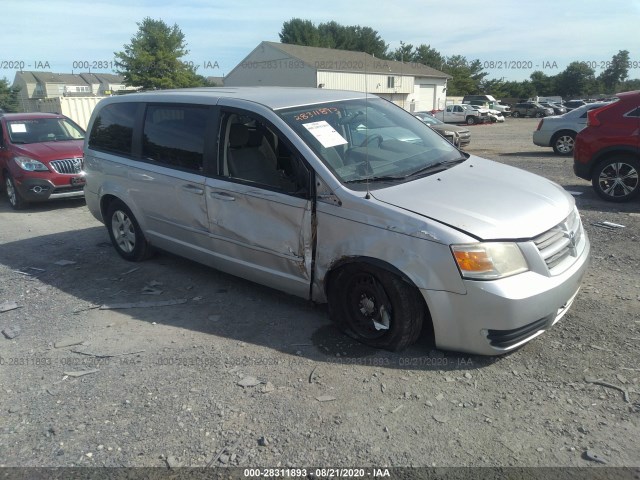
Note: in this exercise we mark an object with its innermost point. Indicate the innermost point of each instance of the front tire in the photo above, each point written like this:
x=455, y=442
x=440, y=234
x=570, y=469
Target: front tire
x=563, y=143
x=616, y=178
x=515, y=114
x=15, y=199
x=125, y=233
x=471, y=120
x=375, y=307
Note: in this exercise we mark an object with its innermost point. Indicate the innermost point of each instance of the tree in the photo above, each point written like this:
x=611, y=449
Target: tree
x=333, y=35
x=8, y=97
x=467, y=76
x=616, y=72
x=577, y=80
x=424, y=54
x=152, y=59
x=543, y=84
x=300, y=32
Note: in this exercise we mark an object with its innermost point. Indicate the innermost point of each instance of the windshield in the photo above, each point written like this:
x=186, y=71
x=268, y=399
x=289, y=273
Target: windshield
x=371, y=140
x=37, y=130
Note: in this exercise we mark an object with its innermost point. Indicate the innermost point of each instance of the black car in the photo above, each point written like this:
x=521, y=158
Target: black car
x=571, y=104
x=530, y=109
x=557, y=108
x=458, y=135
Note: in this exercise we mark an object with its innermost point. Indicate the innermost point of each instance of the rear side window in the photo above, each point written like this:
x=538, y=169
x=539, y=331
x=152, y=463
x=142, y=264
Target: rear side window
x=113, y=128
x=174, y=135
x=634, y=113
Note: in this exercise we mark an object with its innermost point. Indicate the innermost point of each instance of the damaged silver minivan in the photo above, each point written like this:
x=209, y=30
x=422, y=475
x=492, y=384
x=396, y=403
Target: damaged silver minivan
x=339, y=197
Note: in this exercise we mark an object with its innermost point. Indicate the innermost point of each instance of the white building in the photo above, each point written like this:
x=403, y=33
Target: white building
x=413, y=86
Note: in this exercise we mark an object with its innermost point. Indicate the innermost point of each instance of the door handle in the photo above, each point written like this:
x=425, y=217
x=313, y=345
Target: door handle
x=193, y=189
x=222, y=196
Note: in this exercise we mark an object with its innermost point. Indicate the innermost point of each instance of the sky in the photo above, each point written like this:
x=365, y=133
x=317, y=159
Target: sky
x=511, y=38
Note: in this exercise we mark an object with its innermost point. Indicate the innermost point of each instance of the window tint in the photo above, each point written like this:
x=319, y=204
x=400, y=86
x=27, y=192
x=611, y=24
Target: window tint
x=113, y=128
x=634, y=113
x=174, y=135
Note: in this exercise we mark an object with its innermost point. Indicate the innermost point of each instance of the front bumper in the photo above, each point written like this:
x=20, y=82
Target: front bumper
x=495, y=317
x=43, y=189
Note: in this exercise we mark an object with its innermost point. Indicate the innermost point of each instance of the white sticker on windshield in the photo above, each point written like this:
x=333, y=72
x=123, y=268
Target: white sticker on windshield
x=325, y=134
x=18, y=128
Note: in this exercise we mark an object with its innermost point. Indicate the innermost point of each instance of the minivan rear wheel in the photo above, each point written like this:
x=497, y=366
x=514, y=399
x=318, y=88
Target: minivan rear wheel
x=125, y=233
x=616, y=178
x=375, y=307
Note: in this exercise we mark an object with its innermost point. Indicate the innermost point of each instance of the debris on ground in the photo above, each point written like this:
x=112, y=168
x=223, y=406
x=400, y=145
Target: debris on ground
x=7, y=305
x=81, y=373
x=64, y=263
x=11, y=332
x=594, y=457
x=67, y=342
x=162, y=303
x=249, y=381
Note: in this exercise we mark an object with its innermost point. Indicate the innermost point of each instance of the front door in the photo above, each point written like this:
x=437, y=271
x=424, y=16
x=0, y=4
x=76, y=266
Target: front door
x=259, y=205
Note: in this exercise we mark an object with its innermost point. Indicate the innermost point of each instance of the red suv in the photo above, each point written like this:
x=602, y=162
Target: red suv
x=40, y=157
x=607, y=151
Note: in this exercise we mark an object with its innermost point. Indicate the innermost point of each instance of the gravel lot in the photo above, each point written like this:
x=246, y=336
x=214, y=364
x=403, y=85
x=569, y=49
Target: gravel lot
x=165, y=384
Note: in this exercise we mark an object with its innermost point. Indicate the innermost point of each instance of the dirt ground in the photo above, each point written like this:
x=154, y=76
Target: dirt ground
x=236, y=374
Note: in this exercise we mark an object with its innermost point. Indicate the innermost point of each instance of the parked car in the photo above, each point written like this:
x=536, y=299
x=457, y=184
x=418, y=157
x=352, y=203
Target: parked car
x=556, y=107
x=40, y=157
x=292, y=189
x=461, y=113
x=559, y=132
x=505, y=110
x=530, y=109
x=494, y=115
x=459, y=136
x=607, y=151
x=573, y=104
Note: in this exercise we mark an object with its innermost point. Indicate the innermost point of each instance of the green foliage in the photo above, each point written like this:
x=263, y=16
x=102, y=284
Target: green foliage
x=616, y=72
x=333, y=35
x=152, y=59
x=8, y=97
x=467, y=76
x=577, y=80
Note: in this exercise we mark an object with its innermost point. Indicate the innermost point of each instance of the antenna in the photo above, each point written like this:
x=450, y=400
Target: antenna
x=366, y=122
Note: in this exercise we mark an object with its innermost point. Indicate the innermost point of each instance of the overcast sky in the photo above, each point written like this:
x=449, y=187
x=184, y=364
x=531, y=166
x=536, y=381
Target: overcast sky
x=515, y=37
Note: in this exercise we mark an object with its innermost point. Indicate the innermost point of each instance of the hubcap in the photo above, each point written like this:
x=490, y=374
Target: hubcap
x=368, y=305
x=618, y=179
x=564, y=144
x=11, y=191
x=123, y=231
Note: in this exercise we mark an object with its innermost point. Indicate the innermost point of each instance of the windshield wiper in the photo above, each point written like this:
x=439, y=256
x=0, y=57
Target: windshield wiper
x=437, y=167
x=381, y=178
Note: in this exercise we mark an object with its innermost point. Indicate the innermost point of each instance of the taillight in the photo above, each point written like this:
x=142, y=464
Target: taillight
x=540, y=125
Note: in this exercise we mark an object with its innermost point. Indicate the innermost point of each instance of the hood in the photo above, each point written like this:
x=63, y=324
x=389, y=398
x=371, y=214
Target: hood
x=47, y=151
x=485, y=199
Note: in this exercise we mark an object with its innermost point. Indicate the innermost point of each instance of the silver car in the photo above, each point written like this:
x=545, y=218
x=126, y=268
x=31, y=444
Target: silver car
x=310, y=192
x=559, y=132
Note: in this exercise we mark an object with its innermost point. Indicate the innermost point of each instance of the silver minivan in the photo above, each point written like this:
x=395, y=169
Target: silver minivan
x=339, y=197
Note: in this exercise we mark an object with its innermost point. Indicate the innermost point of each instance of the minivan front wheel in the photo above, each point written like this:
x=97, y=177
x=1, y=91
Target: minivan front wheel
x=375, y=307
x=125, y=233
x=616, y=178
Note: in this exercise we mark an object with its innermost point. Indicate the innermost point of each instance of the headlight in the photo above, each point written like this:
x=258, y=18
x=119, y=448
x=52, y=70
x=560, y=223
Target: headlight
x=30, y=165
x=449, y=133
x=488, y=261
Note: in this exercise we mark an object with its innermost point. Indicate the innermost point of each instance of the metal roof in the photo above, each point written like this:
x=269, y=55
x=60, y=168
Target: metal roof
x=272, y=97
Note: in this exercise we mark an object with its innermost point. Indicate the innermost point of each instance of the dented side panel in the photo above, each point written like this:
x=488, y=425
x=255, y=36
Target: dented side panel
x=260, y=234
x=417, y=248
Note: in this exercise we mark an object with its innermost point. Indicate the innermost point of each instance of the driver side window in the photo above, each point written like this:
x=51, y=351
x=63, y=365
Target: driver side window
x=252, y=152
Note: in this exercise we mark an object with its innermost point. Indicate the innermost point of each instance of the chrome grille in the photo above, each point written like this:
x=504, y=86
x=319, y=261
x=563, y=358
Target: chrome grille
x=560, y=242
x=69, y=166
